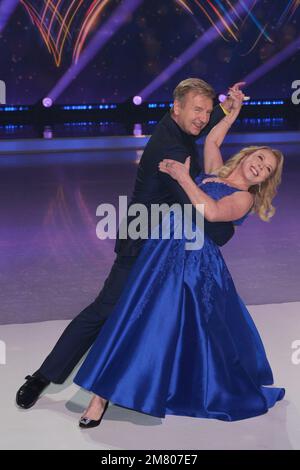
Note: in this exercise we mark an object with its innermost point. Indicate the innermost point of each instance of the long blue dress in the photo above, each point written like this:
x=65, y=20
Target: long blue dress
x=180, y=340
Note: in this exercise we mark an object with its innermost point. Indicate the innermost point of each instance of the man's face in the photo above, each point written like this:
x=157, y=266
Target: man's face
x=193, y=113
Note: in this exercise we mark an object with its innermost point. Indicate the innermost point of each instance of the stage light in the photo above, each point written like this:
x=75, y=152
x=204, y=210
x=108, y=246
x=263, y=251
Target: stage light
x=222, y=98
x=137, y=130
x=7, y=8
x=137, y=100
x=272, y=63
x=47, y=133
x=87, y=107
x=14, y=108
x=205, y=40
x=101, y=37
x=47, y=102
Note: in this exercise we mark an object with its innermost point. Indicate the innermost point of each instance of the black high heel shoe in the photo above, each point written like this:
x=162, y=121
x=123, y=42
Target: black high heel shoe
x=92, y=423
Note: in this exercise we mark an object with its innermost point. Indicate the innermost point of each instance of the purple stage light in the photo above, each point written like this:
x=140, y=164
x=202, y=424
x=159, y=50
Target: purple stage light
x=207, y=38
x=273, y=62
x=7, y=7
x=137, y=100
x=47, y=102
x=222, y=98
x=112, y=25
x=47, y=133
x=137, y=130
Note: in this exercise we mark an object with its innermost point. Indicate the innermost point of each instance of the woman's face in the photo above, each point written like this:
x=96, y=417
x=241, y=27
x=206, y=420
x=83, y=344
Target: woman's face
x=258, y=166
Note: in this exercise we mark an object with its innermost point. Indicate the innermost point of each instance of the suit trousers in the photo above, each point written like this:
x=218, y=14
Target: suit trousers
x=81, y=333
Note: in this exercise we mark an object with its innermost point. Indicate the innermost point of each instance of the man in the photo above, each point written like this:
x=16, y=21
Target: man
x=175, y=137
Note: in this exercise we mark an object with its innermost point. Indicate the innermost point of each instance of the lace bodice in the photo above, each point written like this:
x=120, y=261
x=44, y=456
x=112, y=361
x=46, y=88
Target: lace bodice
x=217, y=190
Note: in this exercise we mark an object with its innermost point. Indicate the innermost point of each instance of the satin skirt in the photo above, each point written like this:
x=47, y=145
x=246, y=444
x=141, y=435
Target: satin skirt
x=180, y=341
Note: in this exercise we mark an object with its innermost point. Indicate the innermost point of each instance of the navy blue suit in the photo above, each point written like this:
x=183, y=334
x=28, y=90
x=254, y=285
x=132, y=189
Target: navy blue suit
x=151, y=187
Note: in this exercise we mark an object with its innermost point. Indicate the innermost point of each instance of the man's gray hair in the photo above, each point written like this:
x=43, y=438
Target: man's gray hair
x=200, y=87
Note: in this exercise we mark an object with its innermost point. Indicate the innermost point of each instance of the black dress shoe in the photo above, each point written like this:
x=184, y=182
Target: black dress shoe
x=30, y=391
x=92, y=423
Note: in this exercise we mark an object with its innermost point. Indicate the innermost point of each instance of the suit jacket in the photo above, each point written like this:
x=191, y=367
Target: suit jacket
x=155, y=187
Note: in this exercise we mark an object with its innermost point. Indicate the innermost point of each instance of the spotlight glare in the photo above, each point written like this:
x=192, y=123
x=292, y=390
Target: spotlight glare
x=47, y=102
x=137, y=130
x=137, y=100
x=222, y=98
x=47, y=133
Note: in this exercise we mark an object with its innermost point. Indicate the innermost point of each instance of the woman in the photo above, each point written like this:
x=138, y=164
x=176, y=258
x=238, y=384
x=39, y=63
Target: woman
x=180, y=340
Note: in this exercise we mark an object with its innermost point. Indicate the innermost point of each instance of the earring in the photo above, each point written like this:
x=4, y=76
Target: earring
x=259, y=187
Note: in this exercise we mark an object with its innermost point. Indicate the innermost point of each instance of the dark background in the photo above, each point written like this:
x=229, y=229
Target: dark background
x=155, y=35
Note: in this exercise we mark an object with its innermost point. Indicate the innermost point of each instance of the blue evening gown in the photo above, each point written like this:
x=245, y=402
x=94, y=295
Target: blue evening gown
x=180, y=340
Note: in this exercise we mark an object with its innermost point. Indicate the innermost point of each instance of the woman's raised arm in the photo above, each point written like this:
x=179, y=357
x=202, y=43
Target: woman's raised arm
x=212, y=155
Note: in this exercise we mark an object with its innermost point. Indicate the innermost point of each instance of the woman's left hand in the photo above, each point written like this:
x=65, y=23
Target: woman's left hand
x=178, y=171
x=237, y=97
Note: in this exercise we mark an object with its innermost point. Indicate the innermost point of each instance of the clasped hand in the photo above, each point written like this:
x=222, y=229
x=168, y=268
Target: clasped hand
x=178, y=171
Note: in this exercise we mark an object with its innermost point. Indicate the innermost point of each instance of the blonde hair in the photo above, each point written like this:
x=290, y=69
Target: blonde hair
x=266, y=191
x=193, y=84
